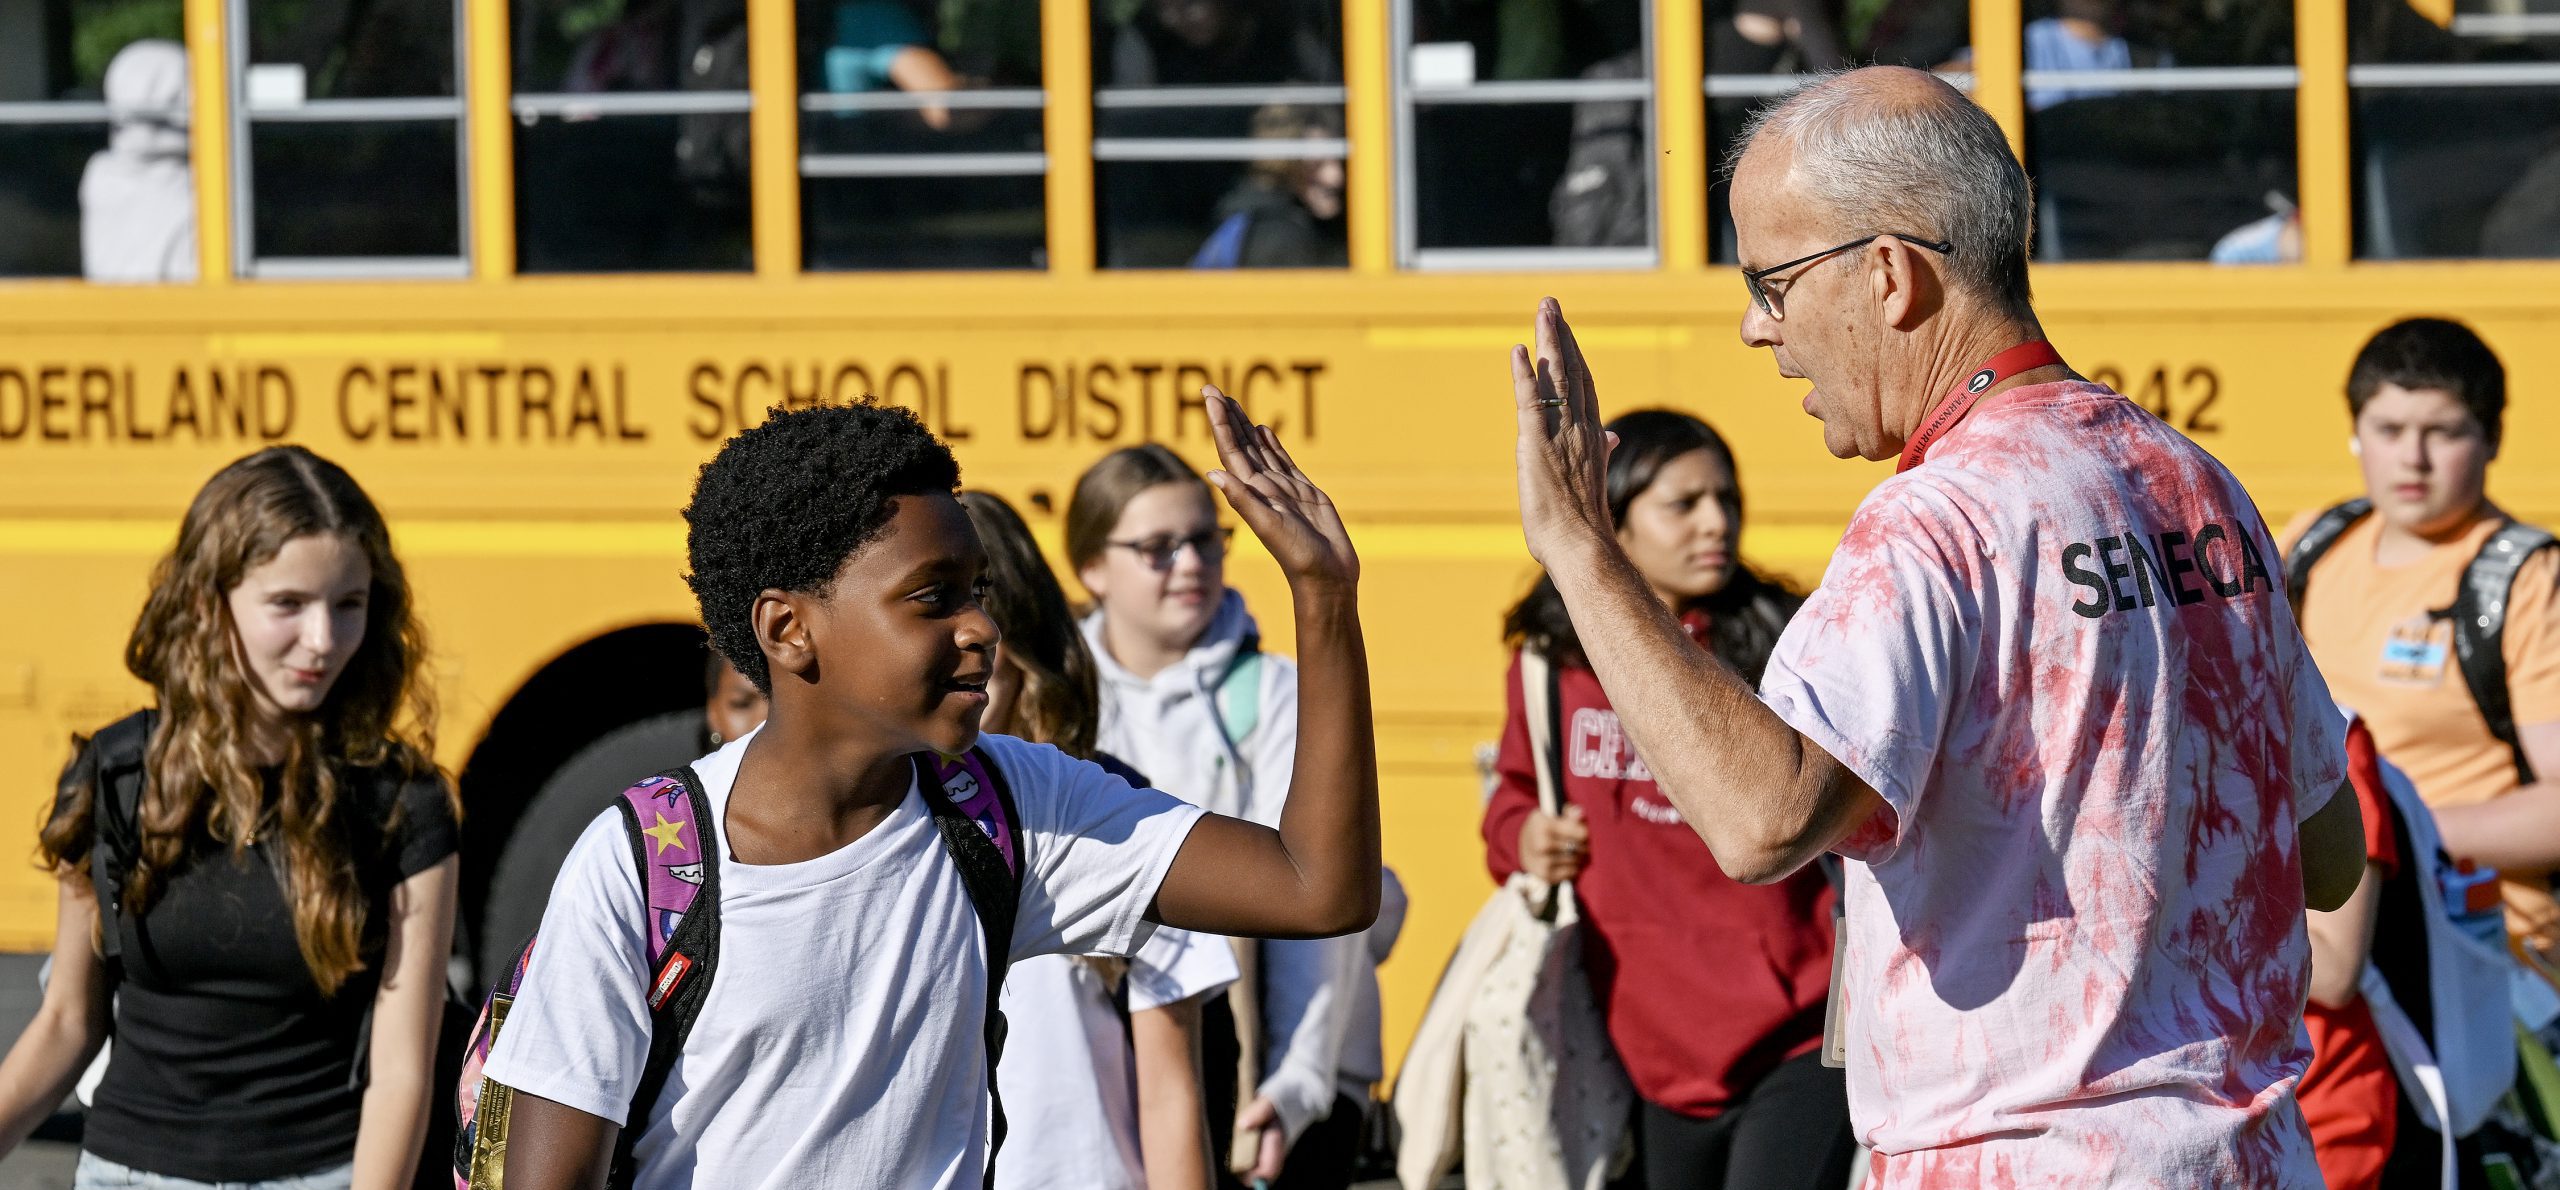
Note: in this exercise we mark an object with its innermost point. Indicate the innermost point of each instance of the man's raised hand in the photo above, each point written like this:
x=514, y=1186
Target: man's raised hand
x=1296, y=521
x=1563, y=454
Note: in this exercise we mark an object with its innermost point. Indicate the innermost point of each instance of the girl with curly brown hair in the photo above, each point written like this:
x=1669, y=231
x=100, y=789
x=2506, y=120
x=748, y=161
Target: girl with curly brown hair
x=257, y=873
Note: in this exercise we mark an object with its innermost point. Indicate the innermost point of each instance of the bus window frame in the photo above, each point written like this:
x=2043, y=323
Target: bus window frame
x=245, y=261
x=1406, y=98
x=1378, y=118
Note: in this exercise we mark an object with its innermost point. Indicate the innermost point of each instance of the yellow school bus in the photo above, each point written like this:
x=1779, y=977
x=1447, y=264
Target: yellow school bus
x=521, y=267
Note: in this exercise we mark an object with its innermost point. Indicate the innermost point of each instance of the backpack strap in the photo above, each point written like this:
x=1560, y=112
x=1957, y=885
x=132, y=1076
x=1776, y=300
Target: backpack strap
x=1224, y=249
x=1239, y=698
x=2314, y=544
x=115, y=769
x=675, y=844
x=2479, y=615
x=1541, y=694
x=979, y=822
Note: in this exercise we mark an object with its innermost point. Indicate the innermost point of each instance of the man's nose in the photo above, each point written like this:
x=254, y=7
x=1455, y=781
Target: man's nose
x=1758, y=329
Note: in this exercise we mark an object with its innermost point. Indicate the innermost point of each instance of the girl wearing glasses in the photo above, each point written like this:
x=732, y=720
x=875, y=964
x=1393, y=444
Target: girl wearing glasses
x=1713, y=990
x=1190, y=699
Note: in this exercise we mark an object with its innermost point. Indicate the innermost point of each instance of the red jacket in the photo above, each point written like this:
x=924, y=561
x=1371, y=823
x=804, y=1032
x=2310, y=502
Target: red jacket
x=1707, y=983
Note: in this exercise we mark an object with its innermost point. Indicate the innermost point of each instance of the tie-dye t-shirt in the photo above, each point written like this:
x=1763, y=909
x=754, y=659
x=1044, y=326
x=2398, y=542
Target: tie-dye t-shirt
x=2060, y=651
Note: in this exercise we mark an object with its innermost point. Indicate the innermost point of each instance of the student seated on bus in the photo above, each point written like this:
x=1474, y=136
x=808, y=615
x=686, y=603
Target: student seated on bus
x=257, y=874
x=842, y=1038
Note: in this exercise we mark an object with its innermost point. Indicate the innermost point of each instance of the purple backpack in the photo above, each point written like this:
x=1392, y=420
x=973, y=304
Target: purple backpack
x=672, y=831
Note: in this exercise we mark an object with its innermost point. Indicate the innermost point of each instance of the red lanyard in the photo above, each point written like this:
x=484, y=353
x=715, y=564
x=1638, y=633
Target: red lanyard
x=2025, y=357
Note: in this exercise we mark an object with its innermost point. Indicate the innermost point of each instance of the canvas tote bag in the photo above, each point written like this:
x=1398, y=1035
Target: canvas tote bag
x=1513, y=1039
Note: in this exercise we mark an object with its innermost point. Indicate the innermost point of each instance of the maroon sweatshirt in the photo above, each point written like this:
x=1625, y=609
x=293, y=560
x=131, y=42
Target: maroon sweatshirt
x=1707, y=983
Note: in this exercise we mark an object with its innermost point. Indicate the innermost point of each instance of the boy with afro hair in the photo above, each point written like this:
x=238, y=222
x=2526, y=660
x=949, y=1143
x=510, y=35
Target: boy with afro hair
x=842, y=1040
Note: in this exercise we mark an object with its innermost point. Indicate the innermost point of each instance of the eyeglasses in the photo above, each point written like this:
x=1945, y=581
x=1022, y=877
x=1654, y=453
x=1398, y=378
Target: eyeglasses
x=1159, y=552
x=1751, y=278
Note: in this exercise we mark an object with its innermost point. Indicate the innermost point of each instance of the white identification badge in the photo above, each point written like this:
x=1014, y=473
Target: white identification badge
x=1835, y=1033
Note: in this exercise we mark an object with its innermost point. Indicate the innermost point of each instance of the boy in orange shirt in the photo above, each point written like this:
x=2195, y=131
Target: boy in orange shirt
x=2395, y=591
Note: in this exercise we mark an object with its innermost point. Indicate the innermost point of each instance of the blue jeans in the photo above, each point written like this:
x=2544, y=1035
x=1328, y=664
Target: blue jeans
x=98, y=1173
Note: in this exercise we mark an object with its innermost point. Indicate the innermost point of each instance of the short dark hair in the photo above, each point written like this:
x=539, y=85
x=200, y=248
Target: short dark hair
x=2433, y=353
x=784, y=504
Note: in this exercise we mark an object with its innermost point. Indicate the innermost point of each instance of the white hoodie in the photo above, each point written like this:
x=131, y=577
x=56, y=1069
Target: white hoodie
x=1168, y=727
x=137, y=196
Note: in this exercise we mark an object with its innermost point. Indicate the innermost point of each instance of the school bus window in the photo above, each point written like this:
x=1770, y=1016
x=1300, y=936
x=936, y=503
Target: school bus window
x=921, y=136
x=348, y=119
x=1759, y=49
x=94, y=175
x=1527, y=134
x=2453, y=106
x=2154, y=135
x=632, y=135
x=1218, y=134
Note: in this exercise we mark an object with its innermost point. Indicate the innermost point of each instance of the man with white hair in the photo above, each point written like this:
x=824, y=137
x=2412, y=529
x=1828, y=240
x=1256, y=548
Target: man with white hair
x=2049, y=700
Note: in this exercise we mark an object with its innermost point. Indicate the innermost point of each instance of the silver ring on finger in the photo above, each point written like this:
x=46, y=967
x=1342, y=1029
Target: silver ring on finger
x=1551, y=402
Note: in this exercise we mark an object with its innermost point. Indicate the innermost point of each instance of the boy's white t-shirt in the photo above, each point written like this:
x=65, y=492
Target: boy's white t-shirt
x=842, y=1042
x=1069, y=1080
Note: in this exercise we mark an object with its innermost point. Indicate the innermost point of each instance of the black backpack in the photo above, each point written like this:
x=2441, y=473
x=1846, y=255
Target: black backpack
x=2478, y=610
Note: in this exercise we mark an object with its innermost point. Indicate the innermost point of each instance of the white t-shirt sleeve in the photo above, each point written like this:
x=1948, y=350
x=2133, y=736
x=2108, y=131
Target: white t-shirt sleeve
x=1868, y=670
x=1178, y=965
x=1098, y=850
x=578, y=1031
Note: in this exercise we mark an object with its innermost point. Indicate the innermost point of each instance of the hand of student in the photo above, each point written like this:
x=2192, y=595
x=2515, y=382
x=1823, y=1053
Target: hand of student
x=1296, y=521
x=1555, y=849
x=1260, y=1114
x=1563, y=454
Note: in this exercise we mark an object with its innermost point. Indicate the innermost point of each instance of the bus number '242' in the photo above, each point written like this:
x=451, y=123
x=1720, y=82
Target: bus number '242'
x=2185, y=402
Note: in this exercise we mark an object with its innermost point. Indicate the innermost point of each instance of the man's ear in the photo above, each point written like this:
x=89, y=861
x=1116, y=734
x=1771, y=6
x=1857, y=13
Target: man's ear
x=782, y=627
x=1904, y=285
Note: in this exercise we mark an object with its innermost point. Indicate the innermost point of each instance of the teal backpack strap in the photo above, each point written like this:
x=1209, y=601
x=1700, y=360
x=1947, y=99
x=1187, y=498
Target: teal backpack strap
x=1240, y=692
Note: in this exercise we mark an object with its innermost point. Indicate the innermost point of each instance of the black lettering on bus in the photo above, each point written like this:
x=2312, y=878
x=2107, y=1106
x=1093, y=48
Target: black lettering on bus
x=861, y=386
x=2075, y=557
x=1187, y=401
x=1146, y=374
x=182, y=404
x=346, y=407
x=97, y=389
x=701, y=384
x=950, y=429
x=449, y=404
x=227, y=400
x=11, y=428
x=623, y=427
x=1102, y=394
x=2205, y=537
x=794, y=397
x=51, y=400
x=1249, y=393
x=133, y=427
x=2179, y=567
x=1024, y=383
x=493, y=389
x=2197, y=422
x=1307, y=371
x=400, y=401
x=535, y=386
x=275, y=382
x=751, y=413
x=586, y=405
x=13, y=380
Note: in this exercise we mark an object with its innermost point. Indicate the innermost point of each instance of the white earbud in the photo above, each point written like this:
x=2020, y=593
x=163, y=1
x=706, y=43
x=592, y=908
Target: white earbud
x=2355, y=445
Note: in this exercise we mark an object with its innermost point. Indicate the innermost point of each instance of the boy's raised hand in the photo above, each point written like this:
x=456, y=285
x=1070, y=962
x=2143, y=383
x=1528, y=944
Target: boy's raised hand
x=1296, y=521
